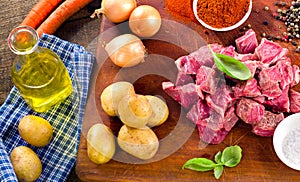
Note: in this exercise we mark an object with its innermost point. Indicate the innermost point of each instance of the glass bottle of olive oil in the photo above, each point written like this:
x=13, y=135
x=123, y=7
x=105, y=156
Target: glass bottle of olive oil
x=37, y=72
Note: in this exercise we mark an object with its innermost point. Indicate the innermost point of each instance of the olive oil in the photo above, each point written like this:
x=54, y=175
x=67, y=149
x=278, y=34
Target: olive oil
x=39, y=74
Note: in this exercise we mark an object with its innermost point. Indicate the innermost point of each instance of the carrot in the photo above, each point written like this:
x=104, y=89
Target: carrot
x=60, y=15
x=40, y=11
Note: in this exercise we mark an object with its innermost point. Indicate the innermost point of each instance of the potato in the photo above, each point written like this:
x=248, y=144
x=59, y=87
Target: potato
x=141, y=143
x=134, y=110
x=26, y=163
x=35, y=130
x=160, y=111
x=112, y=94
x=100, y=144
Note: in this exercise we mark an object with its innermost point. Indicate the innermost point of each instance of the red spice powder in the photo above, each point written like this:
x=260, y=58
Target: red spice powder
x=222, y=13
x=181, y=9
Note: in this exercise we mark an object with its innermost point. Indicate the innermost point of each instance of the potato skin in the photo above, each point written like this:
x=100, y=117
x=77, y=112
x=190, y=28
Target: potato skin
x=160, y=111
x=100, y=144
x=26, y=163
x=112, y=94
x=35, y=130
x=134, y=110
x=139, y=142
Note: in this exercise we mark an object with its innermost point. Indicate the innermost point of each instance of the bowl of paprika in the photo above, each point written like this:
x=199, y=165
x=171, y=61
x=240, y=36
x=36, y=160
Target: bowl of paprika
x=222, y=15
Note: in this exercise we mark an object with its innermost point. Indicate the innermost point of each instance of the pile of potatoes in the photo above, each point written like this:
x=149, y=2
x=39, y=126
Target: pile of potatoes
x=38, y=132
x=138, y=113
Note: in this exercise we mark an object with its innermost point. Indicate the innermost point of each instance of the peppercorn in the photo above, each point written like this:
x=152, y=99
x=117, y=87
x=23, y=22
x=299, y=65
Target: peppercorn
x=294, y=43
x=266, y=23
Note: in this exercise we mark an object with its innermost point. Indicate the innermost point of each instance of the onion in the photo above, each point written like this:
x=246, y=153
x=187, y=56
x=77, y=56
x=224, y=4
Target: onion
x=116, y=10
x=126, y=50
x=145, y=21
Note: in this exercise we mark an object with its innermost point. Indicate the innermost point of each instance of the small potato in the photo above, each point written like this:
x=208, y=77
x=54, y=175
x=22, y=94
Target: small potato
x=35, y=130
x=112, y=94
x=160, y=111
x=134, y=110
x=26, y=163
x=101, y=144
x=141, y=143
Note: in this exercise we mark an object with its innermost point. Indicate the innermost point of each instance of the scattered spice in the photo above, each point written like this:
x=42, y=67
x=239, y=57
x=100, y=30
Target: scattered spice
x=291, y=146
x=266, y=23
x=222, y=13
x=181, y=9
x=290, y=15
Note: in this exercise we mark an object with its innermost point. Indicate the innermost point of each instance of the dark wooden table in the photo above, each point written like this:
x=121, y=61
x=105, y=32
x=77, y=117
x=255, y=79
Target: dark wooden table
x=78, y=29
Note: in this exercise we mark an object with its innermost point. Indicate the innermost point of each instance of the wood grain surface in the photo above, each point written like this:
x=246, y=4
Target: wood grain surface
x=179, y=140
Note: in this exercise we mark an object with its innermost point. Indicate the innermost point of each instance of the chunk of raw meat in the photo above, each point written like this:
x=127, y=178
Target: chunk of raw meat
x=269, y=79
x=286, y=71
x=229, y=51
x=221, y=100
x=270, y=52
x=183, y=79
x=247, y=43
x=266, y=126
x=246, y=57
x=199, y=111
x=209, y=79
x=203, y=54
x=186, y=95
x=187, y=65
x=247, y=88
x=296, y=75
x=253, y=66
x=294, y=101
x=281, y=103
x=250, y=111
x=214, y=129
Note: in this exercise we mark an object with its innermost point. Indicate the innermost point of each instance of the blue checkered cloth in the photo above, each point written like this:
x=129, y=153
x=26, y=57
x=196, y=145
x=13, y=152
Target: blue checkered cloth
x=58, y=157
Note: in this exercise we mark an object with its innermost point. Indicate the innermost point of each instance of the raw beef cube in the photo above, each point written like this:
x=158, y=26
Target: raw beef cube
x=183, y=79
x=186, y=95
x=230, y=119
x=203, y=54
x=286, y=72
x=221, y=99
x=247, y=43
x=269, y=52
x=250, y=111
x=229, y=51
x=294, y=101
x=247, y=88
x=266, y=126
x=209, y=79
x=214, y=129
x=259, y=99
x=269, y=79
x=253, y=65
x=199, y=111
x=187, y=64
x=246, y=57
x=296, y=75
x=281, y=103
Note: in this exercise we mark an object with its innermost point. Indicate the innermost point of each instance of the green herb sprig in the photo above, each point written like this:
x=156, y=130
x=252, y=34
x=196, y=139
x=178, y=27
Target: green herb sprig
x=230, y=157
x=231, y=66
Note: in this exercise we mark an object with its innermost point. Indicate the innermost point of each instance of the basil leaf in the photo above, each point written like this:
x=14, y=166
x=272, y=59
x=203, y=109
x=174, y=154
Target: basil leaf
x=231, y=156
x=218, y=157
x=218, y=170
x=231, y=66
x=199, y=164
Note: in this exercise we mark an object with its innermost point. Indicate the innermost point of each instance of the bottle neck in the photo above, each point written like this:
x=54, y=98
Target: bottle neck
x=23, y=40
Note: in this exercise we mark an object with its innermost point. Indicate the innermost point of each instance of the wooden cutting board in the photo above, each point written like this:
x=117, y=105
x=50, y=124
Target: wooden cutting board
x=179, y=140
